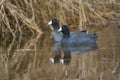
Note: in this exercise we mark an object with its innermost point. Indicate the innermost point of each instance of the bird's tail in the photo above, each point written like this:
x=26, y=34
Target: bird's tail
x=95, y=36
x=85, y=31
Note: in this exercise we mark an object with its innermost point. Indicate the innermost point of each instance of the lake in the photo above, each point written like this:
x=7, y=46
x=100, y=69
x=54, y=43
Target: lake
x=30, y=60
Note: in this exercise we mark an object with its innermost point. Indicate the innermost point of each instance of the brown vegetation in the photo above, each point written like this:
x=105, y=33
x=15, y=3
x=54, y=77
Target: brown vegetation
x=22, y=23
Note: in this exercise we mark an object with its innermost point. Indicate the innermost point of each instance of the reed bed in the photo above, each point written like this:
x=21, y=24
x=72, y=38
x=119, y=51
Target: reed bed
x=29, y=17
x=22, y=23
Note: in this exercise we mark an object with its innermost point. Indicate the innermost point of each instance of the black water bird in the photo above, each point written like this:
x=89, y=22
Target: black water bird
x=76, y=38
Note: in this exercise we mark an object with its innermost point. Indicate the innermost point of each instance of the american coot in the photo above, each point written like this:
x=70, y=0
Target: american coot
x=85, y=42
x=57, y=36
x=74, y=38
x=57, y=39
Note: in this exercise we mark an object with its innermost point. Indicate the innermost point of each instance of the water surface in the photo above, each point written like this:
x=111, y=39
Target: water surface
x=32, y=62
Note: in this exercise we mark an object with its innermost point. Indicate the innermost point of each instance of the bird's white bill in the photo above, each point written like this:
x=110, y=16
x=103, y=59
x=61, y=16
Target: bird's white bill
x=60, y=29
x=50, y=22
x=87, y=31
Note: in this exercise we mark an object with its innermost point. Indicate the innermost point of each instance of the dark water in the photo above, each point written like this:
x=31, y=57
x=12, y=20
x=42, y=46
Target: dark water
x=100, y=61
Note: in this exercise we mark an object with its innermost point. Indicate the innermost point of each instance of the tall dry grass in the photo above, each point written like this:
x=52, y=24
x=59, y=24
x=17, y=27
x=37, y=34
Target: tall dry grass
x=22, y=23
x=28, y=17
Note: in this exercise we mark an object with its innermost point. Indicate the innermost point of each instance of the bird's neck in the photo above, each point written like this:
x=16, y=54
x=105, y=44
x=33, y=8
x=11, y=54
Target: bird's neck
x=66, y=36
x=56, y=27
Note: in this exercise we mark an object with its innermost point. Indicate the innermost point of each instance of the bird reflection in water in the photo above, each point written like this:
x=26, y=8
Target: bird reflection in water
x=64, y=40
x=69, y=50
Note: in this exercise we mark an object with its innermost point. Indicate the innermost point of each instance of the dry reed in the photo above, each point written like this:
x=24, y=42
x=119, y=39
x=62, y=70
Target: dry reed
x=22, y=23
x=29, y=16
